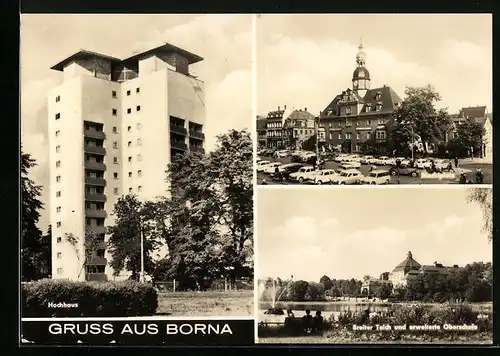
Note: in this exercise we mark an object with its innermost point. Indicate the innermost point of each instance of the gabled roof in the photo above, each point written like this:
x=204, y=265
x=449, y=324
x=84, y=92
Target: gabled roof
x=83, y=54
x=473, y=112
x=300, y=115
x=407, y=265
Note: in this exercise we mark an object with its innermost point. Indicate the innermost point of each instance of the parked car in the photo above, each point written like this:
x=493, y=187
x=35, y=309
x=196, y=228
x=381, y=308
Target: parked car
x=372, y=160
x=302, y=174
x=443, y=165
x=377, y=176
x=348, y=176
x=285, y=170
x=325, y=176
x=340, y=157
x=281, y=154
x=422, y=162
x=261, y=165
x=404, y=161
x=350, y=165
x=385, y=161
x=405, y=171
x=364, y=160
x=271, y=167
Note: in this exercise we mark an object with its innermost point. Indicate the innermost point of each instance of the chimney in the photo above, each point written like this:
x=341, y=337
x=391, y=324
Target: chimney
x=278, y=108
x=285, y=107
x=305, y=109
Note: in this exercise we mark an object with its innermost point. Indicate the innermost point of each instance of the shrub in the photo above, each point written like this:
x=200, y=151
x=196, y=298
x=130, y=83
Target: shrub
x=128, y=298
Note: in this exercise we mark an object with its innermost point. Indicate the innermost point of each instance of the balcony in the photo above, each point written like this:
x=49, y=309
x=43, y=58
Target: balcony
x=95, y=166
x=96, y=277
x=100, y=182
x=196, y=134
x=197, y=149
x=94, y=150
x=95, y=197
x=94, y=134
x=178, y=130
x=98, y=230
x=178, y=145
x=97, y=261
x=94, y=213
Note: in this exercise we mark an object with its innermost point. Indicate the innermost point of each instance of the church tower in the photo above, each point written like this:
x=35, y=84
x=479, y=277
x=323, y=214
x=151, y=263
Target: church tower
x=360, y=76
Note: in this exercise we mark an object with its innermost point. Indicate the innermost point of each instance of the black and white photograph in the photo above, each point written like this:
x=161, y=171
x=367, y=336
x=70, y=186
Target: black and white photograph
x=136, y=165
x=374, y=99
x=365, y=265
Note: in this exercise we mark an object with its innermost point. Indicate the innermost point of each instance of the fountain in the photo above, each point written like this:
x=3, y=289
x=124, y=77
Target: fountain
x=273, y=310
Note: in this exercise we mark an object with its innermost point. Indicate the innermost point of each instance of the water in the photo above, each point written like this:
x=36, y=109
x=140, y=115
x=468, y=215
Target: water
x=326, y=308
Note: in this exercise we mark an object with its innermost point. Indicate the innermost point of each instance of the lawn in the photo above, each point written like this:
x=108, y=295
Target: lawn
x=233, y=303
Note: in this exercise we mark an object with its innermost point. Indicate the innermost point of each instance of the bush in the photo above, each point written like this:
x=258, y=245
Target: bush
x=94, y=299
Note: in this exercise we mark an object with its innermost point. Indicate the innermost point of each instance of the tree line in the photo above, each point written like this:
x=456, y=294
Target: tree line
x=472, y=283
x=204, y=224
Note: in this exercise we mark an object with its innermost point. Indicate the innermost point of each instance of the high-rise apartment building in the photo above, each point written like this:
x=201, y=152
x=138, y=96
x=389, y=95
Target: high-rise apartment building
x=114, y=126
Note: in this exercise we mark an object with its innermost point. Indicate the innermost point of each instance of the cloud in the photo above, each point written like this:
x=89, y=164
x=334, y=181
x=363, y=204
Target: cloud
x=330, y=222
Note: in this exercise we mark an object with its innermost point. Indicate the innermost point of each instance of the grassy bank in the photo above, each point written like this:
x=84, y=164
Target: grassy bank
x=234, y=303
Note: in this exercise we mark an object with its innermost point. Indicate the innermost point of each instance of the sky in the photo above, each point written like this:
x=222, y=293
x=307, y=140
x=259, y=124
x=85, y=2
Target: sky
x=303, y=61
x=224, y=41
x=353, y=232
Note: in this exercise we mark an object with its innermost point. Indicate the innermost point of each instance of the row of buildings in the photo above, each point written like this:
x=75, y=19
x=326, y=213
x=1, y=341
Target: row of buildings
x=114, y=125
x=406, y=271
x=355, y=117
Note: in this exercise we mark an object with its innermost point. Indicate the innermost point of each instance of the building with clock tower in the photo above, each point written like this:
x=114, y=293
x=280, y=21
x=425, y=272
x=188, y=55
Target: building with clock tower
x=359, y=118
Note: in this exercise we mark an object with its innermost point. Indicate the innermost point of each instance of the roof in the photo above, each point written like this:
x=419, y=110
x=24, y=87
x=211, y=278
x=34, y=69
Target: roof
x=83, y=54
x=407, y=265
x=361, y=73
x=301, y=115
x=166, y=48
x=388, y=98
x=473, y=112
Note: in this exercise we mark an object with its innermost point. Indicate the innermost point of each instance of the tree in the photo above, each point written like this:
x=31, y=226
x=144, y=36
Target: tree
x=32, y=246
x=468, y=134
x=297, y=290
x=384, y=291
x=315, y=292
x=417, y=111
x=484, y=198
x=91, y=243
x=326, y=282
x=309, y=144
x=125, y=238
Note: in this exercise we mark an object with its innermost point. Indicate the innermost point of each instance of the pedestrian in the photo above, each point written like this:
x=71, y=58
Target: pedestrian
x=479, y=176
x=456, y=162
x=463, y=178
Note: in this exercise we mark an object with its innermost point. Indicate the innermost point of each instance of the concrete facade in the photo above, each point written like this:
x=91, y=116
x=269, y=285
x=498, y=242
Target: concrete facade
x=112, y=132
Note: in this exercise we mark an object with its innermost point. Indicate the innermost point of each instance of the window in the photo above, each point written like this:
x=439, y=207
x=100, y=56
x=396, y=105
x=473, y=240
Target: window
x=381, y=121
x=139, y=157
x=369, y=122
x=58, y=224
x=115, y=191
x=58, y=179
x=114, y=112
x=348, y=110
x=59, y=239
x=129, y=144
x=348, y=136
x=115, y=175
x=139, y=173
x=129, y=128
x=380, y=135
x=139, y=188
x=58, y=209
x=58, y=193
x=139, y=142
x=59, y=271
x=348, y=122
x=340, y=136
x=130, y=174
x=357, y=136
x=58, y=116
x=138, y=126
x=128, y=92
x=115, y=130
x=58, y=99
x=130, y=158
x=57, y=133
x=130, y=190
x=379, y=107
x=137, y=90
x=138, y=108
x=115, y=160
x=59, y=254
x=58, y=148
x=129, y=110
x=113, y=94
x=115, y=144
x=58, y=164
x=368, y=135
x=330, y=136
